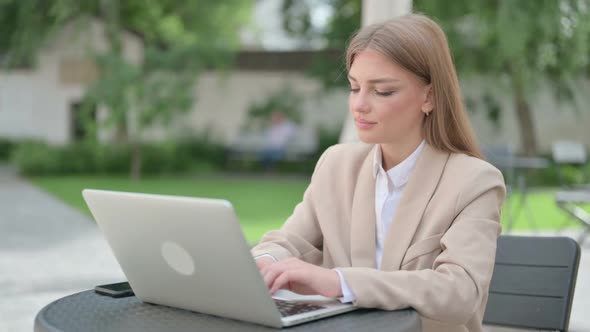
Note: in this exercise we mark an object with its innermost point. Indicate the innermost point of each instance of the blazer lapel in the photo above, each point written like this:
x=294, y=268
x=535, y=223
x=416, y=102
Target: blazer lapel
x=415, y=198
x=362, y=235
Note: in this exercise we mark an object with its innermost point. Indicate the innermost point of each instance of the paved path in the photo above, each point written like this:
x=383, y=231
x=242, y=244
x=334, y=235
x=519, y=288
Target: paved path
x=48, y=250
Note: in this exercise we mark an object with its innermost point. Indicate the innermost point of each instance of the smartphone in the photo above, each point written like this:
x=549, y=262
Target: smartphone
x=120, y=289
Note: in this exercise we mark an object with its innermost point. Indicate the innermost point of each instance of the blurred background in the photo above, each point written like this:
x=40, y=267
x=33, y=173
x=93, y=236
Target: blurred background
x=237, y=99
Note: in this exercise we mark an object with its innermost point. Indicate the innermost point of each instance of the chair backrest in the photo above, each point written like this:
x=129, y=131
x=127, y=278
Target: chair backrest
x=304, y=142
x=503, y=157
x=499, y=155
x=568, y=152
x=533, y=282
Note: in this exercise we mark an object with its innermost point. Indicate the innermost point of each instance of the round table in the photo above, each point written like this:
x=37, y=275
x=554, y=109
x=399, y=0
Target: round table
x=87, y=311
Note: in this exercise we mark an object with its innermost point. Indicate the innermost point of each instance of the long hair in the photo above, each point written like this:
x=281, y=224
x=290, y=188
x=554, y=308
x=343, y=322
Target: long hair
x=419, y=45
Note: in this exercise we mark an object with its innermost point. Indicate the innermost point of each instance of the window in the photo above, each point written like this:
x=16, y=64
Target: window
x=82, y=120
x=77, y=71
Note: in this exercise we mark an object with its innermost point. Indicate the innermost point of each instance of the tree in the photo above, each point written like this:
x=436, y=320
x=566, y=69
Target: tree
x=519, y=44
x=516, y=43
x=344, y=21
x=181, y=38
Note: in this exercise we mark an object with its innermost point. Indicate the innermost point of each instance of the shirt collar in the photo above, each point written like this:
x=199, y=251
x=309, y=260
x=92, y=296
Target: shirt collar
x=400, y=174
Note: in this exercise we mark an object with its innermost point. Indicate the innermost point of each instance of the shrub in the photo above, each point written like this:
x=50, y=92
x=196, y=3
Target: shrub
x=77, y=158
x=6, y=147
x=112, y=159
x=36, y=158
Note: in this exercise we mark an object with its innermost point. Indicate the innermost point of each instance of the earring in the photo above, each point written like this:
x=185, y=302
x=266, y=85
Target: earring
x=427, y=113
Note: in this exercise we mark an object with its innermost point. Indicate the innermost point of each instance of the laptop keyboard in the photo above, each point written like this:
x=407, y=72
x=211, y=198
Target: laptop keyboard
x=288, y=308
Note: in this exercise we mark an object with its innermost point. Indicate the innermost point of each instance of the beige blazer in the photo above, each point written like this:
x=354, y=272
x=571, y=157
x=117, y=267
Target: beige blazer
x=439, y=251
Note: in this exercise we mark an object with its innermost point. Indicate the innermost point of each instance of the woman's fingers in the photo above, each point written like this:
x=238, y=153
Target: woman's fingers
x=286, y=269
x=293, y=280
x=280, y=281
x=270, y=274
x=300, y=277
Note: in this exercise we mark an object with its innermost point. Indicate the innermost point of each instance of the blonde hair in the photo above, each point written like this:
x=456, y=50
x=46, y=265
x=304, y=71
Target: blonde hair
x=419, y=45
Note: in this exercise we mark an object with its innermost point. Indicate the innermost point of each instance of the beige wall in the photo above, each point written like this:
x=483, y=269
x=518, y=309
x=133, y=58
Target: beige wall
x=36, y=103
x=222, y=101
x=552, y=121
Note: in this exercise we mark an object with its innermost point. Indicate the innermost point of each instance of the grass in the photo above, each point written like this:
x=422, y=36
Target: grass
x=542, y=212
x=263, y=204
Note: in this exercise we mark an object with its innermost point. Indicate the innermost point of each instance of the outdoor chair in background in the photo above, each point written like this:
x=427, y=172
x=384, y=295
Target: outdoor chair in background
x=303, y=145
x=570, y=153
x=502, y=157
x=572, y=196
x=515, y=169
x=249, y=145
x=533, y=282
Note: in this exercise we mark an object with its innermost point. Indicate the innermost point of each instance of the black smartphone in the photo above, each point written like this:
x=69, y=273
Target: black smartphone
x=120, y=289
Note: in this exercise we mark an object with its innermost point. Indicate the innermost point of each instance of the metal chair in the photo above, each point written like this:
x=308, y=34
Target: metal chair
x=570, y=153
x=533, y=282
x=502, y=157
x=572, y=196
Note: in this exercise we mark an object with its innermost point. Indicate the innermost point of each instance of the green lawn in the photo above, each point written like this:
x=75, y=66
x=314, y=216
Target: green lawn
x=543, y=212
x=261, y=204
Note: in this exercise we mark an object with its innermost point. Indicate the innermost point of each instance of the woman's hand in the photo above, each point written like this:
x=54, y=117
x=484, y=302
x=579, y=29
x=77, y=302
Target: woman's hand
x=263, y=261
x=300, y=277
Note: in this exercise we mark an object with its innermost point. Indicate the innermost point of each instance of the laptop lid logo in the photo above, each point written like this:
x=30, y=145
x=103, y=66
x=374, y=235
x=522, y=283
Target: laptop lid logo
x=178, y=258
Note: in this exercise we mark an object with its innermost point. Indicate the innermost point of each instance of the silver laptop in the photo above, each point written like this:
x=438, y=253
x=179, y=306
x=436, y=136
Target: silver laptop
x=190, y=253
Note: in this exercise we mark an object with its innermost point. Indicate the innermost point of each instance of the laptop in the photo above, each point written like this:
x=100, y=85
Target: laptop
x=190, y=253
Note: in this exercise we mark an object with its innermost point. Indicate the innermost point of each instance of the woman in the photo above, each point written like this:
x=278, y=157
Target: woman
x=410, y=217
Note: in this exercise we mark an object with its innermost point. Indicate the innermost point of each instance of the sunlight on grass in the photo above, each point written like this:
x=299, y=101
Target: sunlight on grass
x=542, y=213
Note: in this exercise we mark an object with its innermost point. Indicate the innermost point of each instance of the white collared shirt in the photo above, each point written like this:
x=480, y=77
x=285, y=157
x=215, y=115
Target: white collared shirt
x=388, y=192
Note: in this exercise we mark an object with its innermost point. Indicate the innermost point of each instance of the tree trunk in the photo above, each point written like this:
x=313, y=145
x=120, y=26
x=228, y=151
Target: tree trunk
x=136, y=160
x=121, y=136
x=528, y=137
x=111, y=14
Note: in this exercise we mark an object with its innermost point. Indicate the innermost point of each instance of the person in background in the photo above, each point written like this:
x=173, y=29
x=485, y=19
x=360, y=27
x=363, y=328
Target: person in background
x=410, y=216
x=276, y=138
